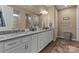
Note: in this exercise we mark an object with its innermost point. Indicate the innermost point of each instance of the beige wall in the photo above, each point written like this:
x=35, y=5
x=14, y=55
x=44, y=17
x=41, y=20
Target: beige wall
x=67, y=25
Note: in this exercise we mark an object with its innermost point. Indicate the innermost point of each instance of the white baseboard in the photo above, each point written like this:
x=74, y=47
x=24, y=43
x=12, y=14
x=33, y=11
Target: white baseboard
x=75, y=40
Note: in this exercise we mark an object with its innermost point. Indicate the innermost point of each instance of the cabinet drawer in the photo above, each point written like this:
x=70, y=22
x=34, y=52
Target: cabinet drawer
x=34, y=36
x=34, y=43
x=18, y=49
x=40, y=37
x=11, y=43
x=26, y=38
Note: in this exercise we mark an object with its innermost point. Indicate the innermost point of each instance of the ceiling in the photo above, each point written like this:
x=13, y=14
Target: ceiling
x=60, y=7
x=32, y=8
x=37, y=8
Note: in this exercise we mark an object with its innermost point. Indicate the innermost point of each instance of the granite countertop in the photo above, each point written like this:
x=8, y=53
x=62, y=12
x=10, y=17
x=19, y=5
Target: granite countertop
x=15, y=35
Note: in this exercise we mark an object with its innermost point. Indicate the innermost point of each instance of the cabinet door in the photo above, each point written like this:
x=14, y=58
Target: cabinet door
x=46, y=37
x=51, y=35
x=34, y=43
x=1, y=47
x=28, y=47
x=19, y=45
x=26, y=38
x=22, y=48
x=42, y=40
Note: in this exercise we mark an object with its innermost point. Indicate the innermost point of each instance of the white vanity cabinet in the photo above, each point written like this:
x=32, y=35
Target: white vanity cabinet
x=18, y=45
x=34, y=43
x=48, y=37
x=22, y=48
x=42, y=40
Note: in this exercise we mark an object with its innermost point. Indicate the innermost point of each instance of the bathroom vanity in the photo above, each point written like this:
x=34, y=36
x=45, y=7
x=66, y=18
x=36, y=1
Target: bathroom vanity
x=25, y=42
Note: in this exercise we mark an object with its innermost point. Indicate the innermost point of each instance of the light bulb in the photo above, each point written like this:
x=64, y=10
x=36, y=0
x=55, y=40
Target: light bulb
x=65, y=5
x=15, y=15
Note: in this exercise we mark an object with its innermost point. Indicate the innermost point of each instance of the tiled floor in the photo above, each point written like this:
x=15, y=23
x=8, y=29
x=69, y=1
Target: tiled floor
x=61, y=46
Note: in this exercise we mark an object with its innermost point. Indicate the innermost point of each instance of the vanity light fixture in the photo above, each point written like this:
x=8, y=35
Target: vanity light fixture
x=15, y=15
x=44, y=12
x=65, y=5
